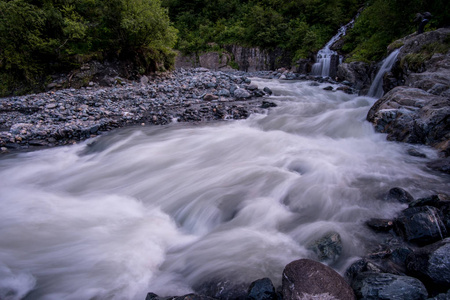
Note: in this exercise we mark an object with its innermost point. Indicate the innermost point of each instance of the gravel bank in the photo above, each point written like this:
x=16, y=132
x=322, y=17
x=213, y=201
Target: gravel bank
x=66, y=116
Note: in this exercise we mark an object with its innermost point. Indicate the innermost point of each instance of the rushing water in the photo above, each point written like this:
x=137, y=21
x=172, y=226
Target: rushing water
x=164, y=209
x=376, y=89
x=323, y=64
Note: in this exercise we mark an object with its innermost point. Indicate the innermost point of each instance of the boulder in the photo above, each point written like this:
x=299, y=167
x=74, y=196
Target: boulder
x=308, y=279
x=223, y=290
x=397, y=194
x=431, y=264
x=262, y=289
x=241, y=93
x=421, y=225
x=328, y=248
x=380, y=225
x=414, y=116
x=385, y=286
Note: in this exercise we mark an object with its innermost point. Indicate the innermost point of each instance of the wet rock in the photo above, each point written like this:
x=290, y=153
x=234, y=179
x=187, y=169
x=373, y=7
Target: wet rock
x=308, y=279
x=241, y=93
x=441, y=165
x=267, y=90
x=210, y=97
x=328, y=248
x=267, y=104
x=384, y=286
x=442, y=296
x=431, y=201
x=223, y=289
x=431, y=264
x=252, y=87
x=397, y=194
x=153, y=296
x=421, y=225
x=380, y=225
x=357, y=73
x=262, y=289
x=328, y=88
x=414, y=116
x=416, y=153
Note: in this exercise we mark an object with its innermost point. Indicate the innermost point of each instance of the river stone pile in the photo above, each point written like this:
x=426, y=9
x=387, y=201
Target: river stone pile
x=66, y=116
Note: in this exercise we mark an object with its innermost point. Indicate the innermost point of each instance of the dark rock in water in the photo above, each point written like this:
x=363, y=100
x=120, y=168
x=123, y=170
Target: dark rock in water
x=267, y=90
x=430, y=201
x=328, y=88
x=431, y=264
x=442, y=165
x=241, y=93
x=414, y=152
x=382, y=225
x=314, y=83
x=252, y=87
x=328, y=248
x=267, y=104
x=258, y=93
x=262, y=289
x=223, y=290
x=360, y=266
x=384, y=286
x=345, y=89
x=399, y=195
x=421, y=225
x=308, y=279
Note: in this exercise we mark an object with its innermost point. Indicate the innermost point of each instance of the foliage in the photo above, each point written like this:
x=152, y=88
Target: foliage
x=384, y=21
x=299, y=26
x=39, y=37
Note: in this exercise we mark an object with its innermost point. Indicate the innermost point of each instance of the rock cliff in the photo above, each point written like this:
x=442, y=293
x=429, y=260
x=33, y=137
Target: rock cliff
x=417, y=107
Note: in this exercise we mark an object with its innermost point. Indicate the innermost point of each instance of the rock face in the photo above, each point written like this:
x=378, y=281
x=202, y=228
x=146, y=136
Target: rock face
x=432, y=265
x=417, y=107
x=246, y=59
x=414, y=116
x=358, y=73
x=384, y=286
x=308, y=279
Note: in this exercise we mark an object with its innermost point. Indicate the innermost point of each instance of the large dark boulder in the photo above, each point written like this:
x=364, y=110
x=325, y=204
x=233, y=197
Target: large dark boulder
x=421, y=225
x=414, y=116
x=306, y=279
x=384, y=286
x=431, y=264
x=397, y=194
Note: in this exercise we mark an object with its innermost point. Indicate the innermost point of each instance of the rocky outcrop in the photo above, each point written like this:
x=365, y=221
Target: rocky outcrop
x=414, y=116
x=358, y=73
x=210, y=60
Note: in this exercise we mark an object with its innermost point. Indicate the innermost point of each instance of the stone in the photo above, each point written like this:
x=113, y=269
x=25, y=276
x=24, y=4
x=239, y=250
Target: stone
x=384, y=286
x=252, y=87
x=416, y=153
x=380, y=225
x=241, y=93
x=328, y=88
x=357, y=73
x=308, y=279
x=328, y=248
x=267, y=104
x=262, y=289
x=431, y=264
x=210, y=97
x=441, y=165
x=223, y=289
x=144, y=80
x=421, y=225
x=397, y=194
x=267, y=90
x=224, y=93
x=431, y=201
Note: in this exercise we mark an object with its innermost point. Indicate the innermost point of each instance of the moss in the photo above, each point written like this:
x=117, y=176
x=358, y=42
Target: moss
x=416, y=61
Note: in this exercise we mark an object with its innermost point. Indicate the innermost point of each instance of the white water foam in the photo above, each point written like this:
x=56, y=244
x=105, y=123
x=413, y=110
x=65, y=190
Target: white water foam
x=163, y=209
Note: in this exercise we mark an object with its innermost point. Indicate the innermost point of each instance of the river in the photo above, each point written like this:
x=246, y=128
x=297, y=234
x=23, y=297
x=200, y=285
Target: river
x=165, y=208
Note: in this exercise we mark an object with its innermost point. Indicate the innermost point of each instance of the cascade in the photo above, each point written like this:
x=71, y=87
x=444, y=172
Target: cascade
x=376, y=89
x=324, y=56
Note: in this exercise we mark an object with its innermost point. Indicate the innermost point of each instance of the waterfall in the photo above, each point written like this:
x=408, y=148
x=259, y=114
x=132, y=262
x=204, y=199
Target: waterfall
x=324, y=56
x=376, y=89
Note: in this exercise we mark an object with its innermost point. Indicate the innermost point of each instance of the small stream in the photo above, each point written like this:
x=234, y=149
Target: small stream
x=166, y=208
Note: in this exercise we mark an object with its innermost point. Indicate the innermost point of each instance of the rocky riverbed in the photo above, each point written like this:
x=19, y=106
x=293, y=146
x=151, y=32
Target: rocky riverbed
x=66, y=116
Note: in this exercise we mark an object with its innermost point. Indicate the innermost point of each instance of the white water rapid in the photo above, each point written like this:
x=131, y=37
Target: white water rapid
x=323, y=58
x=163, y=209
x=376, y=89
